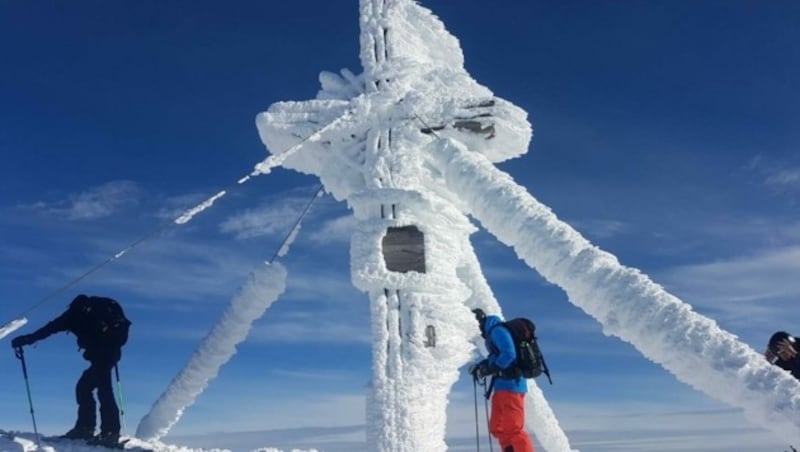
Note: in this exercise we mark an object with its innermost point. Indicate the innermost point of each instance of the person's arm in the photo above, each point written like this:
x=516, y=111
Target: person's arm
x=57, y=325
x=60, y=323
x=504, y=343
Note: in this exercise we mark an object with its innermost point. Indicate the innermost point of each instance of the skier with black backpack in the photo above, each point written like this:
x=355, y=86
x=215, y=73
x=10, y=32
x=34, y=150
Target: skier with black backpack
x=101, y=329
x=509, y=386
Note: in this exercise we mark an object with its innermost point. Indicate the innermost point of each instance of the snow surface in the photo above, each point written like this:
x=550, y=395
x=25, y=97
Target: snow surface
x=29, y=442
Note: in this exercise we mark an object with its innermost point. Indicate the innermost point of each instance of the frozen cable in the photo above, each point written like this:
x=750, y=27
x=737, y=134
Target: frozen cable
x=293, y=232
x=263, y=167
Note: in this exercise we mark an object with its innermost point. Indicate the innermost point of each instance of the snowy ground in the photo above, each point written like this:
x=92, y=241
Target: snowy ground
x=26, y=442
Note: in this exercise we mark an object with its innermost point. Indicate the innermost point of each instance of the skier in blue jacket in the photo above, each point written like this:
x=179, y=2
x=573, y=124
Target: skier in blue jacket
x=507, y=418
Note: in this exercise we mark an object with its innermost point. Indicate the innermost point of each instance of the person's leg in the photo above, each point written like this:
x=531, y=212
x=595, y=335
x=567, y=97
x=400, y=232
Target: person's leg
x=87, y=416
x=507, y=422
x=109, y=412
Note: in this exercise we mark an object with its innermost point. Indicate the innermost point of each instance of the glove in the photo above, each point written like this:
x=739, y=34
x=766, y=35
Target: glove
x=19, y=341
x=482, y=369
x=473, y=369
x=785, y=349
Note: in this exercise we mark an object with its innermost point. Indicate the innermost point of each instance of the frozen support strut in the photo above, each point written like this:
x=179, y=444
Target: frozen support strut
x=625, y=301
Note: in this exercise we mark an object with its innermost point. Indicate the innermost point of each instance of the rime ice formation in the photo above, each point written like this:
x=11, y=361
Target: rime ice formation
x=12, y=326
x=626, y=302
x=368, y=138
x=410, y=144
x=264, y=285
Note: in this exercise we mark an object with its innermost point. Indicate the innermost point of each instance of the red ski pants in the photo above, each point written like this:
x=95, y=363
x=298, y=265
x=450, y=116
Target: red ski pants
x=507, y=422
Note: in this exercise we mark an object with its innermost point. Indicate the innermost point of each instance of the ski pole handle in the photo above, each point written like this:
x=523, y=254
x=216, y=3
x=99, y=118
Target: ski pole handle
x=21, y=356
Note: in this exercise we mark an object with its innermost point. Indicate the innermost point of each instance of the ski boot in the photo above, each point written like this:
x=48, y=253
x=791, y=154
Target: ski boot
x=106, y=439
x=84, y=433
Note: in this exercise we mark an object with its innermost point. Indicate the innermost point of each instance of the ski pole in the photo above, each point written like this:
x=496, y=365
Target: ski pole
x=121, y=400
x=546, y=371
x=488, y=425
x=21, y=356
x=477, y=431
x=487, y=394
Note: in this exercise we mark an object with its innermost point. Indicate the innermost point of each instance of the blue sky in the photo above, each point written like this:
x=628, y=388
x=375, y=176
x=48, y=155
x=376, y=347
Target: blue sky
x=666, y=133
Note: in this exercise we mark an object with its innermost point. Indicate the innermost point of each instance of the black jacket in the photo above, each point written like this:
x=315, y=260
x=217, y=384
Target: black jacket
x=792, y=365
x=75, y=321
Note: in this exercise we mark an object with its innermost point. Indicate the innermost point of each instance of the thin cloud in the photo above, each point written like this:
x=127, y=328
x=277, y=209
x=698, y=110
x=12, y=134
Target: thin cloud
x=309, y=283
x=273, y=219
x=96, y=202
x=751, y=230
x=779, y=175
x=749, y=291
x=171, y=268
x=787, y=178
x=745, y=278
x=315, y=376
x=319, y=329
x=337, y=230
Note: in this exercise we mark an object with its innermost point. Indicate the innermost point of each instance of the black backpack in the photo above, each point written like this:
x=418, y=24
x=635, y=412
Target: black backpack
x=530, y=361
x=103, y=322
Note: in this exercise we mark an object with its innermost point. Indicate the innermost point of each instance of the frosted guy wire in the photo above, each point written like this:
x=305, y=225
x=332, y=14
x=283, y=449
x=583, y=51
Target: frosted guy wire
x=274, y=160
x=262, y=168
x=187, y=216
x=262, y=289
x=263, y=286
x=13, y=326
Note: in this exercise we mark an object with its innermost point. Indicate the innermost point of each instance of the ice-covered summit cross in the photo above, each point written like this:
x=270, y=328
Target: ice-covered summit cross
x=414, y=85
x=372, y=140
x=410, y=145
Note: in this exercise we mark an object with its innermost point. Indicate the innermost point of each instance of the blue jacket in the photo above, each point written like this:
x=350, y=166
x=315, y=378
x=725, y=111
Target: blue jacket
x=502, y=354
